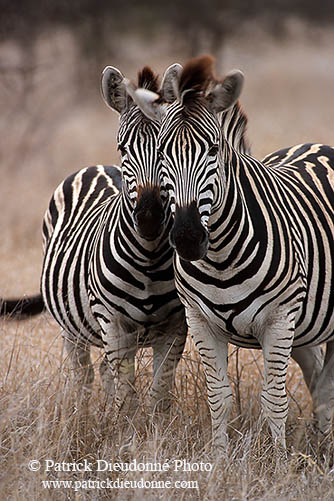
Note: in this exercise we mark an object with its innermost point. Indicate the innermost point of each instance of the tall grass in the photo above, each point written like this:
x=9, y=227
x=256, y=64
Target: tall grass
x=44, y=417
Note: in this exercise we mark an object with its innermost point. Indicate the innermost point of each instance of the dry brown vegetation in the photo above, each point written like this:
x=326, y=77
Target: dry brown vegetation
x=48, y=130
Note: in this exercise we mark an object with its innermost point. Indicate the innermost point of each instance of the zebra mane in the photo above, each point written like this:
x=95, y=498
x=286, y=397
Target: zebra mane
x=234, y=127
x=148, y=80
x=195, y=79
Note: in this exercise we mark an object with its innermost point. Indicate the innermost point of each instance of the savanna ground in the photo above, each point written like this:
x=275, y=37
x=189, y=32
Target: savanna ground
x=48, y=130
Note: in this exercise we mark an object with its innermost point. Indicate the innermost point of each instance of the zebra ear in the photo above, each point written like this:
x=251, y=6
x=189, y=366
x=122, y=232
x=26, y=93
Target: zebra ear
x=113, y=89
x=169, y=84
x=146, y=100
x=226, y=93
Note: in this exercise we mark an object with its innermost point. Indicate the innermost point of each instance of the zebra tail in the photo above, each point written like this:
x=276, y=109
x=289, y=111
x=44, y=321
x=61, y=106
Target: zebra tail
x=20, y=309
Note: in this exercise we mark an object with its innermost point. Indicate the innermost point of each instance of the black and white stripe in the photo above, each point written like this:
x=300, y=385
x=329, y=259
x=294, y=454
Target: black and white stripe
x=255, y=248
x=107, y=275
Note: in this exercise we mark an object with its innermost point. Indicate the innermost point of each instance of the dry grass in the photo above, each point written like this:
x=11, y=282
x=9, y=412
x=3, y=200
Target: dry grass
x=46, y=135
x=42, y=418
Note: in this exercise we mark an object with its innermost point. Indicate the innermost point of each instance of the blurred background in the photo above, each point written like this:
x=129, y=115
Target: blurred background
x=54, y=122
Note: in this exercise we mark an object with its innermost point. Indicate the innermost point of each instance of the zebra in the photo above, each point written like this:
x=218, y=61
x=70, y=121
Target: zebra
x=107, y=275
x=254, y=247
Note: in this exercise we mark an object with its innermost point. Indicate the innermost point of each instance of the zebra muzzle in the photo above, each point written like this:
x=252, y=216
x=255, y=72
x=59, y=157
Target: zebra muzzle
x=149, y=214
x=188, y=236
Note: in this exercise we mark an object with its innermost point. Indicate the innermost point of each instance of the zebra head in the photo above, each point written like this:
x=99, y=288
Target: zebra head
x=137, y=143
x=190, y=145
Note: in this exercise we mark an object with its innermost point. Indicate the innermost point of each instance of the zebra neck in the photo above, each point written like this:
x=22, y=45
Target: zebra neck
x=233, y=123
x=232, y=226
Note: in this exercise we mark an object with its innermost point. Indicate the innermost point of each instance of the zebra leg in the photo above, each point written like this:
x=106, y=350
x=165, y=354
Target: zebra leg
x=120, y=349
x=213, y=350
x=167, y=352
x=311, y=360
x=79, y=356
x=276, y=347
x=323, y=394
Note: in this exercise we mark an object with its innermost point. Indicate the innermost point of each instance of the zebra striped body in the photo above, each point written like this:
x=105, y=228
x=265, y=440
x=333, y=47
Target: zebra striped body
x=75, y=212
x=108, y=275
x=304, y=177
x=274, y=247
x=255, y=249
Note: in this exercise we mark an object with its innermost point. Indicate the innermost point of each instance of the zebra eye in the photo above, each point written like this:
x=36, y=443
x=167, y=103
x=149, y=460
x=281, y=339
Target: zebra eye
x=213, y=150
x=122, y=149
